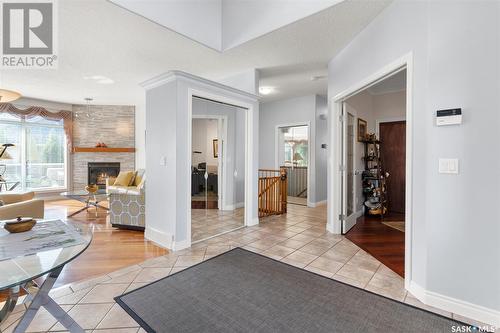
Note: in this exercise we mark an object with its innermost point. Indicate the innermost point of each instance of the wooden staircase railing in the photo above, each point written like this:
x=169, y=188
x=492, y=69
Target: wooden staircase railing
x=297, y=180
x=272, y=192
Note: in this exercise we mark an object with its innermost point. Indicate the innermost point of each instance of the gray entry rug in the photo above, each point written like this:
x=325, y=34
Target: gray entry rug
x=240, y=291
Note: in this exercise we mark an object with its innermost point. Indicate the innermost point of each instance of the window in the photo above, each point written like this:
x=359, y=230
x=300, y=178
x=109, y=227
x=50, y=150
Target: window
x=38, y=159
x=296, y=145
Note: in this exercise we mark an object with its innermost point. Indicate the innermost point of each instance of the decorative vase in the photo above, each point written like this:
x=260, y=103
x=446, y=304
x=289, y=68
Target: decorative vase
x=92, y=188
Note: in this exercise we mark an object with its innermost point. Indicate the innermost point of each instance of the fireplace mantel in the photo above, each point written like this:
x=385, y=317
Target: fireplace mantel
x=102, y=150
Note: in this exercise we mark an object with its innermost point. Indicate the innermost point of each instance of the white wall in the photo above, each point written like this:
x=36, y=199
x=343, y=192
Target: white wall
x=200, y=20
x=247, y=81
x=455, y=231
x=168, y=153
x=140, y=133
x=389, y=106
x=298, y=110
x=321, y=154
x=204, y=132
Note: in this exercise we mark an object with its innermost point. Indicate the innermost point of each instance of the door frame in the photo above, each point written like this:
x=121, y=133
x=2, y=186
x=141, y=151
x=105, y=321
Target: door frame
x=250, y=177
x=309, y=153
x=345, y=124
x=221, y=166
x=334, y=194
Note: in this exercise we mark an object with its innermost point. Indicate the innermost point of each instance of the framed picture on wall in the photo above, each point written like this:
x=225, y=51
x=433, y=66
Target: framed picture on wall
x=362, y=126
x=216, y=148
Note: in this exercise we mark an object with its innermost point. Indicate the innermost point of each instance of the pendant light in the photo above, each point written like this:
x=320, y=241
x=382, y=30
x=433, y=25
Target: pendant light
x=7, y=96
x=87, y=108
x=88, y=100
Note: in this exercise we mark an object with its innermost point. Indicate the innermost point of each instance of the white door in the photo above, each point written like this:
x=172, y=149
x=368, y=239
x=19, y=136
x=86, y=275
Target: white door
x=348, y=215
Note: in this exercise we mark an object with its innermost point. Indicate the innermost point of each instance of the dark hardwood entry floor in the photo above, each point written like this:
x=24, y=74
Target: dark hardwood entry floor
x=382, y=242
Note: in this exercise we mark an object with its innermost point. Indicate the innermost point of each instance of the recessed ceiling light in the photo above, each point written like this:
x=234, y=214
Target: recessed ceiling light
x=105, y=81
x=266, y=90
x=318, y=77
x=99, y=79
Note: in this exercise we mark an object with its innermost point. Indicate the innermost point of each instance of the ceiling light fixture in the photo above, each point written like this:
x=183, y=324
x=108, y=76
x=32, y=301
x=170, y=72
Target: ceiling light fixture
x=105, y=81
x=318, y=77
x=101, y=79
x=7, y=96
x=87, y=109
x=266, y=90
x=88, y=100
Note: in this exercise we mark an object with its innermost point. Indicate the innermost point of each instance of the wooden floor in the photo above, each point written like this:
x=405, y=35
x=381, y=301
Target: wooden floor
x=384, y=243
x=196, y=204
x=111, y=248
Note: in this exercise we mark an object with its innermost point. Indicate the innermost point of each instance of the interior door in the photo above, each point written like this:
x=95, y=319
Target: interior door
x=393, y=156
x=348, y=215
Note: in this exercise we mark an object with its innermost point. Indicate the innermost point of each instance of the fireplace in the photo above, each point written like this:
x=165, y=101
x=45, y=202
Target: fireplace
x=99, y=171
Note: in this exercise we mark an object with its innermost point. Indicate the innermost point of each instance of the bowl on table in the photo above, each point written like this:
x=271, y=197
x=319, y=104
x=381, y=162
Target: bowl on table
x=19, y=224
x=92, y=188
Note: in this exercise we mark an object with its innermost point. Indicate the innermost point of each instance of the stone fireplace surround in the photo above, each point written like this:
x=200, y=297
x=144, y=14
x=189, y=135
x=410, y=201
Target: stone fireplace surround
x=111, y=124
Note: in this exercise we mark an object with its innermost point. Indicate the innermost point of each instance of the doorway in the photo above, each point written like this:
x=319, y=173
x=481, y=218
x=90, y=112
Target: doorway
x=292, y=154
x=218, y=140
x=206, y=174
x=373, y=171
x=392, y=153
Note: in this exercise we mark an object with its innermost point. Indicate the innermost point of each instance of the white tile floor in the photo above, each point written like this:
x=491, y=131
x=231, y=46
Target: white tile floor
x=298, y=238
x=207, y=223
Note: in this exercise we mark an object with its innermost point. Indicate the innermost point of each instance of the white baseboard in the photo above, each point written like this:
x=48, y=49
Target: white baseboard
x=254, y=221
x=177, y=246
x=462, y=308
x=316, y=204
x=158, y=237
x=233, y=206
x=330, y=229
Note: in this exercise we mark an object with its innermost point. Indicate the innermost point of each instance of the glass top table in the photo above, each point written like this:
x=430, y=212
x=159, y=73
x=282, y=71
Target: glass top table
x=88, y=198
x=18, y=270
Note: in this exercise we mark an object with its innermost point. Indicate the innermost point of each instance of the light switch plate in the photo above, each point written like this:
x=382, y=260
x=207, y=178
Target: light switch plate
x=448, y=165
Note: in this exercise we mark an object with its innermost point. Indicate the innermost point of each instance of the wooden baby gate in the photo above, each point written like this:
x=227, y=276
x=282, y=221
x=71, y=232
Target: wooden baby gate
x=272, y=192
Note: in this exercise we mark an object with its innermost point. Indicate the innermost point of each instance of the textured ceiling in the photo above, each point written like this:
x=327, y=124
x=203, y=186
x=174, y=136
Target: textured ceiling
x=224, y=24
x=98, y=38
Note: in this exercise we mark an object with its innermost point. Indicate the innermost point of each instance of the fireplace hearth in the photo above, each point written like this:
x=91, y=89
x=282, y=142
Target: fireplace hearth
x=99, y=171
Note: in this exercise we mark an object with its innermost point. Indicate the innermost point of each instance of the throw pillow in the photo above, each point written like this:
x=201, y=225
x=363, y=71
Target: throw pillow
x=132, y=180
x=123, y=178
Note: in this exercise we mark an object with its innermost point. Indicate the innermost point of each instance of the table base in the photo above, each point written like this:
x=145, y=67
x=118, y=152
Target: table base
x=41, y=298
x=88, y=204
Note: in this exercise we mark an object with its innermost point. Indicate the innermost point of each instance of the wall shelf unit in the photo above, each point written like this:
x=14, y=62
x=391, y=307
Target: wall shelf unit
x=373, y=177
